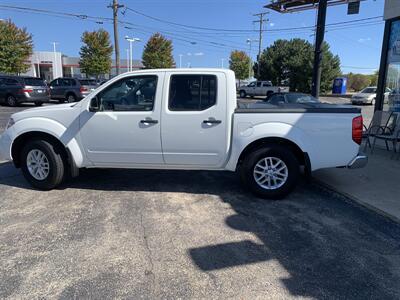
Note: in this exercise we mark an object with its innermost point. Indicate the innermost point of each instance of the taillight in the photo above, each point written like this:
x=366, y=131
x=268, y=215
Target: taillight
x=357, y=129
x=27, y=90
x=83, y=89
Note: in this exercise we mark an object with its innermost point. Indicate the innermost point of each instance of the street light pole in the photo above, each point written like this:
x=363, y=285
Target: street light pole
x=55, y=59
x=180, y=60
x=131, y=41
x=222, y=62
x=250, y=41
x=127, y=61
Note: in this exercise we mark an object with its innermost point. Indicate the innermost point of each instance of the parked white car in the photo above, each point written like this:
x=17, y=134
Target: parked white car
x=182, y=119
x=260, y=88
x=368, y=96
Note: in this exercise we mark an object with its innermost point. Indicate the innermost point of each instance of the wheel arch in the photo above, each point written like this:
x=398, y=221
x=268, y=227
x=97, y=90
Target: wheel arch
x=302, y=157
x=23, y=138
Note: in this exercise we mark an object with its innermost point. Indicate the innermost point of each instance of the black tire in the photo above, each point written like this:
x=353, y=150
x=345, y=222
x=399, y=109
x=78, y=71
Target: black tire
x=55, y=160
x=38, y=103
x=242, y=94
x=269, y=93
x=276, y=151
x=11, y=101
x=71, y=98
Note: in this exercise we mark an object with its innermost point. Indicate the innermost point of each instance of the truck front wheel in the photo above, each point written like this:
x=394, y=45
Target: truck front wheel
x=42, y=164
x=270, y=172
x=242, y=94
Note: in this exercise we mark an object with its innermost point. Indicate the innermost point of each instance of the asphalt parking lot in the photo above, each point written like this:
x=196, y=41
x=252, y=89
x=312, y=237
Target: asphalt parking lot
x=180, y=234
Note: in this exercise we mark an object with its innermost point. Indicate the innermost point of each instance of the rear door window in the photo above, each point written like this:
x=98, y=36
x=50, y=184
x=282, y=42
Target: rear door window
x=192, y=92
x=12, y=82
x=34, y=82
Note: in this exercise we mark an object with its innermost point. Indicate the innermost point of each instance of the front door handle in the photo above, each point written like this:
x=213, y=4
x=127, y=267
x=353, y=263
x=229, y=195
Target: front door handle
x=149, y=121
x=212, y=121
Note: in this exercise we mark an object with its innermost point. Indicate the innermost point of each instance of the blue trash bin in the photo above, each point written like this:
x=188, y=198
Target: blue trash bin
x=339, y=86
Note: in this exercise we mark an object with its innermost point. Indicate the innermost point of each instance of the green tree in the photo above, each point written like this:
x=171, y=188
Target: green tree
x=239, y=63
x=157, y=53
x=95, y=54
x=15, y=48
x=291, y=61
x=357, y=82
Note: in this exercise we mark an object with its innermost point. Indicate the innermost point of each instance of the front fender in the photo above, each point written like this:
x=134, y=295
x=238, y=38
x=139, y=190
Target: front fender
x=67, y=135
x=247, y=133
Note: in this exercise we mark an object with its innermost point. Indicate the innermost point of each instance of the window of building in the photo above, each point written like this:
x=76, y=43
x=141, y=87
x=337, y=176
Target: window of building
x=135, y=93
x=393, y=68
x=192, y=92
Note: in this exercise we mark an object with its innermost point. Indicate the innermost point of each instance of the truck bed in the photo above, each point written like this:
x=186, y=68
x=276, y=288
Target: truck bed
x=263, y=107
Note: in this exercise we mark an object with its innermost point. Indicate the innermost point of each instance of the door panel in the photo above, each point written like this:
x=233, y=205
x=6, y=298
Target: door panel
x=194, y=129
x=127, y=129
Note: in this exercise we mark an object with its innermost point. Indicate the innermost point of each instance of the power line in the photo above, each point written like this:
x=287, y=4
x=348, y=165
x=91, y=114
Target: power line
x=242, y=30
x=186, y=35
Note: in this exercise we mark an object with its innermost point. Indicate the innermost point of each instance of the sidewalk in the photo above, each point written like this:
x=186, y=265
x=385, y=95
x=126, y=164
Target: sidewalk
x=377, y=186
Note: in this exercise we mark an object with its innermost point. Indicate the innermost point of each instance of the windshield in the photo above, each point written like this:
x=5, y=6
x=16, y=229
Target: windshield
x=34, y=82
x=87, y=82
x=369, y=90
x=300, y=98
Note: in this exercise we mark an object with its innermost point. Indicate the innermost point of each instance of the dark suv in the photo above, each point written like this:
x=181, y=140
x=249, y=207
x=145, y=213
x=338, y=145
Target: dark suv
x=20, y=89
x=71, y=89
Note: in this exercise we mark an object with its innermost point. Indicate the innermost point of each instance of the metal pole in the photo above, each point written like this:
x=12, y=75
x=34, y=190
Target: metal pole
x=222, y=63
x=127, y=61
x=55, y=60
x=180, y=61
x=380, y=91
x=130, y=51
x=319, y=39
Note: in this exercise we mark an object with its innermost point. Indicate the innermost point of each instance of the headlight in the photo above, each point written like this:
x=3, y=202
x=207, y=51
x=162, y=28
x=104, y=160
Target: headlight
x=10, y=123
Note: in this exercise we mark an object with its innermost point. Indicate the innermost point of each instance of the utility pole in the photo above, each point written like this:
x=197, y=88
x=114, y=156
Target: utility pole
x=319, y=39
x=115, y=6
x=180, y=60
x=261, y=21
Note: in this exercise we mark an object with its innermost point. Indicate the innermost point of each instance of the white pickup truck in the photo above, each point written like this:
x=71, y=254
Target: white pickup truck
x=260, y=88
x=182, y=119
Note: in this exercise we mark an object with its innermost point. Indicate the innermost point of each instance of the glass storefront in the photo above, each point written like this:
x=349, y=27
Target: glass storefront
x=392, y=94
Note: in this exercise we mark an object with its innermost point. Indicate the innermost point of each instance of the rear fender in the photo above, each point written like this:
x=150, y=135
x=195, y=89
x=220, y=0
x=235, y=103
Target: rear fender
x=246, y=133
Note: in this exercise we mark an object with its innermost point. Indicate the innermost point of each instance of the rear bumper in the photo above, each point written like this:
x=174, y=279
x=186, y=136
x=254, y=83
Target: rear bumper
x=23, y=99
x=360, y=161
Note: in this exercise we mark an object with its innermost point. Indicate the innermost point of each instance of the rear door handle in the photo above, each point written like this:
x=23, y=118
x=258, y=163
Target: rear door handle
x=211, y=121
x=148, y=121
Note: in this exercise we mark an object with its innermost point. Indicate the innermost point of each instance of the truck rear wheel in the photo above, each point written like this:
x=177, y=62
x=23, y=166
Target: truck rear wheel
x=42, y=164
x=270, y=172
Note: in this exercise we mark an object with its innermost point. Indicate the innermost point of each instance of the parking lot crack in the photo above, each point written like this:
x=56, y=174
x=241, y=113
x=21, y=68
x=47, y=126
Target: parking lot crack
x=148, y=272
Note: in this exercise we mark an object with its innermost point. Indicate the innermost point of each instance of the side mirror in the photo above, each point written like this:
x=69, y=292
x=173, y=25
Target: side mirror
x=94, y=104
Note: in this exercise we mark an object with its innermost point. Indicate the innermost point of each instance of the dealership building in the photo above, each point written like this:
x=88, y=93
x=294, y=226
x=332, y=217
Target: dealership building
x=389, y=70
x=50, y=65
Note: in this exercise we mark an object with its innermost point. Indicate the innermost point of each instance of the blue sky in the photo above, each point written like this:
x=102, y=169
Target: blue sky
x=358, y=47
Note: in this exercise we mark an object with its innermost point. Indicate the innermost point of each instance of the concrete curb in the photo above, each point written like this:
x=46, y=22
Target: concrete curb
x=355, y=199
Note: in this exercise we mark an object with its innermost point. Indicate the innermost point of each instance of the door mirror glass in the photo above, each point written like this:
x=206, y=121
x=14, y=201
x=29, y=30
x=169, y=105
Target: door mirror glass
x=94, y=104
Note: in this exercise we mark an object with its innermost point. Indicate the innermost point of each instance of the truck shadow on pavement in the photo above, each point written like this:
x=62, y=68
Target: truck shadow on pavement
x=330, y=247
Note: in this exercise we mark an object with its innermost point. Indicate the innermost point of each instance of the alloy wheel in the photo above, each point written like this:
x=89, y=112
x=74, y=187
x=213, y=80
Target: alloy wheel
x=38, y=164
x=270, y=173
